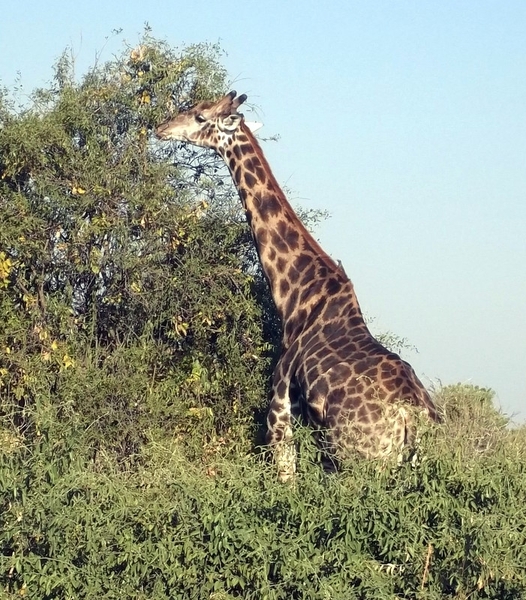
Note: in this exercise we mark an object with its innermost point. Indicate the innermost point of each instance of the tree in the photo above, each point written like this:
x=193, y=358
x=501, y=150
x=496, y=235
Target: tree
x=131, y=299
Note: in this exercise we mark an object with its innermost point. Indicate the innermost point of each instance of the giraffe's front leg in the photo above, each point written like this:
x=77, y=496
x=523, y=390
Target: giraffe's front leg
x=279, y=422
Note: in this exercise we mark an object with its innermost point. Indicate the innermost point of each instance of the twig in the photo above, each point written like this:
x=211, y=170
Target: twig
x=426, y=566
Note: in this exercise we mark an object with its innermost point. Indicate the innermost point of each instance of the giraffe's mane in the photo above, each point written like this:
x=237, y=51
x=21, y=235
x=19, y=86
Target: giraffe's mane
x=314, y=245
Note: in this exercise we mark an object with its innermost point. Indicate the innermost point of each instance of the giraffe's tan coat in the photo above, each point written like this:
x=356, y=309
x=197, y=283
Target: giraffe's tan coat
x=331, y=369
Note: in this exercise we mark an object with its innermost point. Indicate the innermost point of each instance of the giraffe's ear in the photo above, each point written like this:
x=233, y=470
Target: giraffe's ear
x=230, y=122
x=253, y=125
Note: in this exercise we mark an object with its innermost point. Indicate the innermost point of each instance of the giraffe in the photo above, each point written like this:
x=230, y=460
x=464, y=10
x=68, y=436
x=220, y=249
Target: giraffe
x=359, y=396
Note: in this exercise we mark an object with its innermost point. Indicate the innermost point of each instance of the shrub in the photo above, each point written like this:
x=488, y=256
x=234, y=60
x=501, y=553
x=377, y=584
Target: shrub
x=449, y=525
x=130, y=303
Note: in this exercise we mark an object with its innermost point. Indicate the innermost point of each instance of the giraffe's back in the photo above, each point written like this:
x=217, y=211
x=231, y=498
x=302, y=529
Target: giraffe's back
x=357, y=390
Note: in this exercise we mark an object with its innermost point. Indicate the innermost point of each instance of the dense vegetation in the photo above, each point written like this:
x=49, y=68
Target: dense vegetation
x=136, y=340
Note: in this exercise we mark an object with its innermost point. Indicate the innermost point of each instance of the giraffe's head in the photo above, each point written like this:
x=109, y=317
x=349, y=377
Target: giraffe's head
x=206, y=124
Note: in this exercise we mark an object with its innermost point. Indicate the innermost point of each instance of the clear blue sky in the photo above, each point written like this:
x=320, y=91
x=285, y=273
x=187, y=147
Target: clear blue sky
x=406, y=120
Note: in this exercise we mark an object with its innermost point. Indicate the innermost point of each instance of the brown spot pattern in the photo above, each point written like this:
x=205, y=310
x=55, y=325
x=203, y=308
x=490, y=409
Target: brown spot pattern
x=347, y=380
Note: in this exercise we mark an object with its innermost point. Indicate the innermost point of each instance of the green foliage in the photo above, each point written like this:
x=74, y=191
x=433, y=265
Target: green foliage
x=127, y=304
x=449, y=525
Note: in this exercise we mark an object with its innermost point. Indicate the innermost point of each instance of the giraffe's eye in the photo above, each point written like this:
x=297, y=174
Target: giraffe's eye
x=200, y=118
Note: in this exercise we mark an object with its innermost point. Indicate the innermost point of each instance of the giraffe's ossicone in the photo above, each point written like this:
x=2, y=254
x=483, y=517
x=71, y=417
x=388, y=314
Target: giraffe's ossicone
x=331, y=370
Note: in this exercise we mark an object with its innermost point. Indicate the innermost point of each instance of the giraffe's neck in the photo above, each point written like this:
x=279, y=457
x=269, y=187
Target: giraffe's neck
x=300, y=274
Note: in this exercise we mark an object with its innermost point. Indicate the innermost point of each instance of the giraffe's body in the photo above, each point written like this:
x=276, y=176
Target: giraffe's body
x=346, y=382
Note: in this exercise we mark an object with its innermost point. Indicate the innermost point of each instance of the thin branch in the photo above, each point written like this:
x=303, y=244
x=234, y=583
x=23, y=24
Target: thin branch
x=426, y=566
